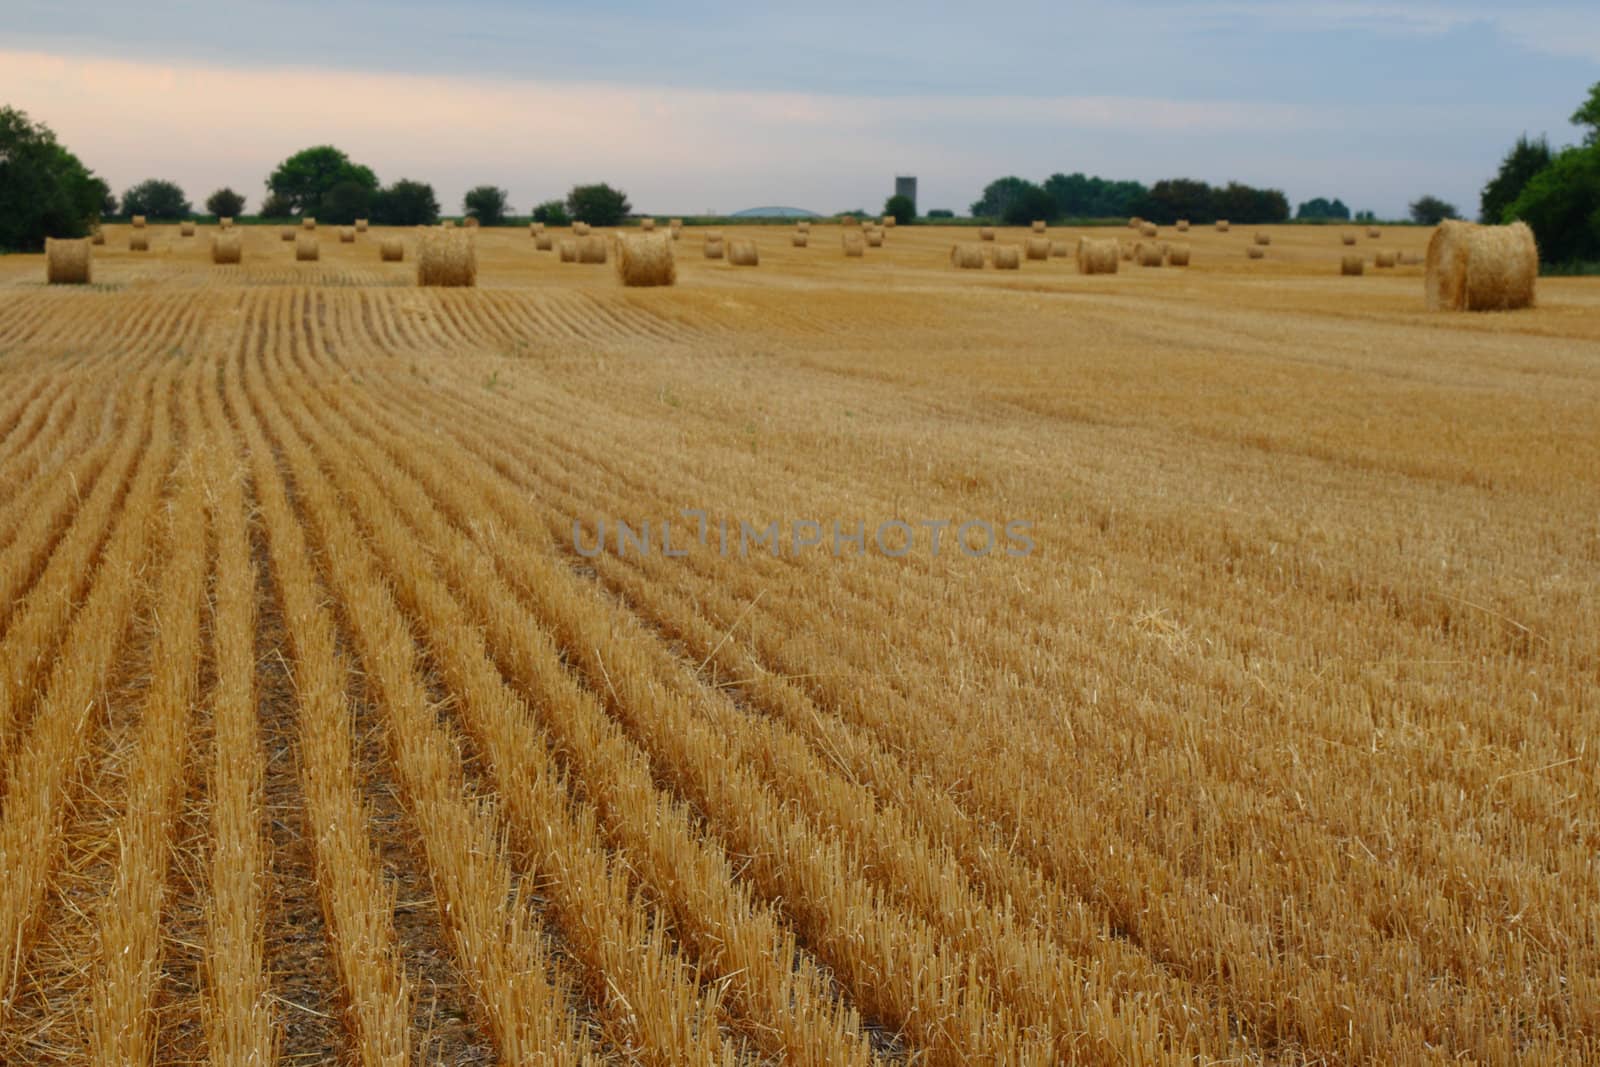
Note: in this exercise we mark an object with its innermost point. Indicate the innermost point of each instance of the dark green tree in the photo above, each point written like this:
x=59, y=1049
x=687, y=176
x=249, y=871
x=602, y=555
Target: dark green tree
x=1321, y=209
x=598, y=205
x=1588, y=116
x=487, y=204
x=108, y=205
x=997, y=197
x=1238, y=202
x=405, y=203
x=1430, y=211
x=156, y=198
x=1178, y=198
x=901, y=209
x=225, y=204
x=306, y=177
x=1079, y=196
x=1526, y=159
x=941, y=213
x=275, y=207
x=552, y=213
x=346, y=202
x=45, y=190
x=1562, y=205
x=1029, y=204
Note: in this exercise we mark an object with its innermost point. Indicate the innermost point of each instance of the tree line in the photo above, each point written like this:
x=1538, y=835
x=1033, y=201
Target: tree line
x=1018, y=201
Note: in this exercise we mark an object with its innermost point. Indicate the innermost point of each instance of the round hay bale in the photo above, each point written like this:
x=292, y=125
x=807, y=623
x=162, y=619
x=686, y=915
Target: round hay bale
x=849, y=220
x=967, y=255
x=391, y=250
x=1222, y=226
x=361, y=225
x=308, y=223
x=544, y=242
x=1348, y=238
x=1135, y=223
x=287, y=233
x=713, y=248
x=138, y=222
x=674, y=224
x=1385, y=260
x=890, y=222
x=98, y=237
x=568, y=250
x=854, y=246
x=646, y=260
x=1263, y=239
x=225, y=223
x=580, y=229
x=186, y=229
x=535, y=229
x=986, y=233
x=647, y=225
x=803, y=227
x=1037, y=247
x=1038, y=226
x=445, y=224
x=743, y=254
x=1482, y=268
x=1060, y=250
x=1256, y=252
x=1098, y=256
x=67, y=261
x=306, y=248
x=713, y=235
x=1007, y=257
x=138, y=241
x=1353, y=266
x=470, y=222
x=800, y=240
x=1148, y=254
x=1374, y=233
x=1183, y=225
x=227, y=247
x=347, y=235
x=1177, y=255
x=1148, y=230
x=447, y=258
x=592, y=248
x=874, y=238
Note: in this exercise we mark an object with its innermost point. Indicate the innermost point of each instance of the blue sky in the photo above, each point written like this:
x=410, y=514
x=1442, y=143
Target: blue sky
x=709, y=105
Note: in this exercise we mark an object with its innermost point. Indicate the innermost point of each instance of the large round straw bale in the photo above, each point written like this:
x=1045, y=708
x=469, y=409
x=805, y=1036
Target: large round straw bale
x=1098, y=256
x=1060, y=249
x=1256, y=252
x=185, y=229
x=1177, y=255
x=580, y=229
x=227, y=247
x=347, y=235
x=592, y=248
x=67, y=261
x=1374, y=233
x=874, y=238
x=743, y=254
x=1348, y=238
x=1263, y=239
x=647, y=225
x=224, y=222
x=98, y=237
x=1353, y=266
x=361, y=225
x=1038, y=247
x=1482, y=268
x=535, y=229
x=138, y=241
x=306, y=248
x=714, y=248
x=646, y=259
x=854, y=246
x=568, y=250
x=544, y=242
x=1148, y=254
x=1222, y=225
x=1038, y=226
x=802, y=226
x=1148, y=230
x=1007, y=257
x=986, y=233
x=392, y=250
x=967, y=255
x=286, y=233
x=1183, y=225
x=800, y=239
x=138, y=222
x=447, y=258
x=308, y=223
x=1385, y=260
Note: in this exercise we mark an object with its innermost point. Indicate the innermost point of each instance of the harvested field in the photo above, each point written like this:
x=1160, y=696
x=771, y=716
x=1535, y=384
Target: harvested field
x=324, y=733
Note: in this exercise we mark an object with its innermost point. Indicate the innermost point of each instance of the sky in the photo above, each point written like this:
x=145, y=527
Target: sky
x=706, y=105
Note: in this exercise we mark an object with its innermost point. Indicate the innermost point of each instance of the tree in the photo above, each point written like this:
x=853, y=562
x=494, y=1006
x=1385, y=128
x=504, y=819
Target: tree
x=306, y=177
x=1526, y=159
x=1562, y=205
x=1430, y=211
x=1238, y=202
x=487, y=204
x=1030, y=202
x=45, y=190
x=1078, y=196
x=901, y=209
x=275, y=207
x=157, y=199
x=1178, y=198
x=598, y=205
x=1588, y=115
x=552, y=213
x=346, y=202
x=941, y=213
x=1366, y=216
x=225, y=203
x=997, y=196
x=1321, y=209
x=405, y=203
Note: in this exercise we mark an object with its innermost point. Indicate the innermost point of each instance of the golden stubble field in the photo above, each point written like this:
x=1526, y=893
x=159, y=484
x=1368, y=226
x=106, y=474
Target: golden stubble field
x=324, y=741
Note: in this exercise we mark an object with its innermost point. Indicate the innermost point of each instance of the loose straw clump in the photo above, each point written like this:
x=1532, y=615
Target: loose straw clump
x=646, y=260
x=446, y=258
x=68, y=261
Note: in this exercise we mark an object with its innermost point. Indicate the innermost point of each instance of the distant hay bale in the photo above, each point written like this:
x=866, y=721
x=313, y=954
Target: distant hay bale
x=580, y=229
x=1060, y=249
x=854, y=246
x=1373, y=233
x=447, y=224
x=1135, y=223
x=592, y=248
x=1482, y=268
x=967, y=255
x=227, y=247
x=225, y=223
x=849, y=220
x=544, y=242
x=1348, y=238
x=568, y=250
x=347, y=235
x=186, y=229
x=470, y=222
x=138, y=222
x=1038, y=226
x=890, y=222
x=646, y=259
x=535, y=229
x=1148, y=230
x=1098, y=257
x=447, y=258
x=361, y=225
x=392, y=250
x=138, y=241
x=713, y=235
x=1353, y=266
x=1222, y=226
x=986, y=233
x=1263, y=239
x=1385, y=260
x=800, y=239
x=647, y=225
x=1183, y=225
x=287, y=233
x=98, y=237
x=1410, y=259
x=67, y=261
x=1256, y=252
x=874, y=238
x=1148, y=254
x=1037, y=247
x=713, y=248
x=1007, y=257
x=674, y=224
x=308, y=223
x=802, y=226
x=743, y=254
x=306, y=248
x=1177, y=255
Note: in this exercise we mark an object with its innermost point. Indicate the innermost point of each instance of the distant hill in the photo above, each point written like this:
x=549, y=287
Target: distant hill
x=775, y=213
